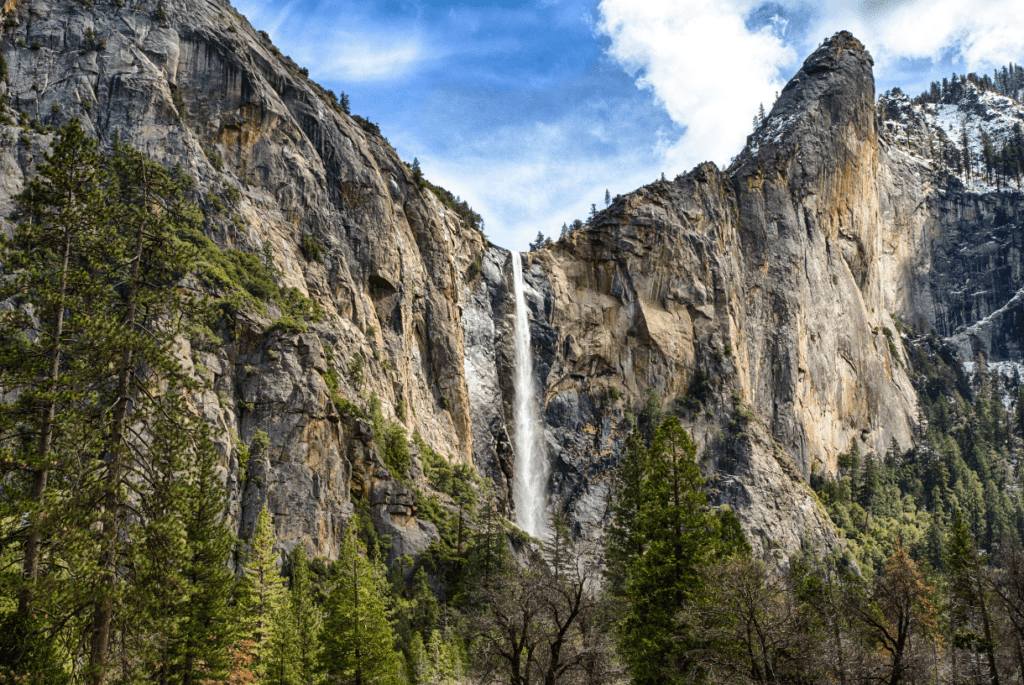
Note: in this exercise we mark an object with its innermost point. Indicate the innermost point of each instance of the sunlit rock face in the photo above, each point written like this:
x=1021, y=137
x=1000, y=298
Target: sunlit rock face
x=755, y=302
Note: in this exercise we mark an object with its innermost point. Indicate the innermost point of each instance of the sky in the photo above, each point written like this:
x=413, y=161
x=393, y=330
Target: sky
x=530, y=110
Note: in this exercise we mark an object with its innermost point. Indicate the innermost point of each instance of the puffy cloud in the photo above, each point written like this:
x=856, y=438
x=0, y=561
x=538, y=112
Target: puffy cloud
x=976, y=34
x=712, y=62
x=703, y=63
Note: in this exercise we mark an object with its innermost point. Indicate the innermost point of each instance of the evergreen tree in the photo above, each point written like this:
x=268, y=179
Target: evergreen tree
x=143, y=262
x=607, y=197
x=357, y=640
x=47, y=265
x=558, y=549
x=209, y=622
x=305, y=616
x=488, y=554
x=624, y=541
x=265, y=592
x=679, y=535
x=968, y=606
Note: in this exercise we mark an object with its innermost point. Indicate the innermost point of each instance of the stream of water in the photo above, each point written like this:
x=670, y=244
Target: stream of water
x=529, y=489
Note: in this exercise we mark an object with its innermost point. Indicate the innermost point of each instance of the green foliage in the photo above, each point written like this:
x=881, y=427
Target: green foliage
x=661, y=539
x=366, y=125
x=650, y=415
x=454, y=203
x=355, y=370
x=286, y=324
x=459, y=481
x=231, y=270
x=357, y=638
x=232, y=194
x=264, y=592
x=215, y=203
x=215, y=159
x=100, y=394
x=312, y=249
x=297, y=624
x=390, y=439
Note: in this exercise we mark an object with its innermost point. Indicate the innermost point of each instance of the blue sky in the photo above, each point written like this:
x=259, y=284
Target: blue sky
x=531, y=109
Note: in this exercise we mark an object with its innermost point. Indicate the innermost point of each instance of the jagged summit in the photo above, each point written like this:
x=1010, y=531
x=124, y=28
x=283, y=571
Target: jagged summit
x=755, y=304
x=832, y=92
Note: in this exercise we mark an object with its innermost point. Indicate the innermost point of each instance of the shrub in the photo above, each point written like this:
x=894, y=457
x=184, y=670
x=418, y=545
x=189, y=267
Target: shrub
x=232, y=194
x=390, y=439
x=355, y=370
x=214, y=157
x=286, y=324
x=215, y=203
x=366, y=125
x=312, y=249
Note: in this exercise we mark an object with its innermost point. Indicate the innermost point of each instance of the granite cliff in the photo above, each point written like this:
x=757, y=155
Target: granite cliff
x=755, y=301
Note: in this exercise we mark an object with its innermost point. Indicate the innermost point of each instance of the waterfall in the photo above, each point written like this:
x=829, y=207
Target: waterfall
x=529, y=489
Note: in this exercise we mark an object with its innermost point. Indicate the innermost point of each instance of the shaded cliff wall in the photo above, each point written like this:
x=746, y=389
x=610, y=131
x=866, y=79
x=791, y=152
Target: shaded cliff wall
x=751, y=301
x=198, y=86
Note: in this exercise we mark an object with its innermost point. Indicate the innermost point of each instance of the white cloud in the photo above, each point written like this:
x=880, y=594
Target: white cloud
x=535, y=176
x=710, y=71
x=365, y=50
x=979, y=34
x=363, y=57
x=702, y=63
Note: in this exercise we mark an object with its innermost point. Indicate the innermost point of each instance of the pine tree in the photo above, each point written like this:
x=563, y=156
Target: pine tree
x=967, y=596
x=679, y=536
x=607, y=197
x=357, y=640
x=209, y=622
x=135, y=556
x=265, y=593
x=488, y=554
x=305, y=615
x=624, y=541
x=46, y=266
x=142, y=263
x=558, y=549
x=344, y=102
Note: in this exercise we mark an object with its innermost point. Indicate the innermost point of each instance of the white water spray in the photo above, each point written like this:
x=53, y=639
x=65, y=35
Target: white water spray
x=529, y=490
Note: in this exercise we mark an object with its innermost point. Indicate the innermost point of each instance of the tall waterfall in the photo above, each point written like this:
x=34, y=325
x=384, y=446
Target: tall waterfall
x=529, y=488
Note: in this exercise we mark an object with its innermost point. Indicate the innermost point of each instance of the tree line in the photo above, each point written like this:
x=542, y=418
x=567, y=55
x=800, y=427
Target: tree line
x=118, y=566
x=1007, y=81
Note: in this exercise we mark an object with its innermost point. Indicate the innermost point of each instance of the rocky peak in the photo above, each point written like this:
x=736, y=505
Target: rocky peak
x=829, y=102
x=755, y=303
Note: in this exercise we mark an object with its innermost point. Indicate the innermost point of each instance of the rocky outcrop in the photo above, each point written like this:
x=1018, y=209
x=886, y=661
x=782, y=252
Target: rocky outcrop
x=756, y=302
x=750, y=300
x=278, y=167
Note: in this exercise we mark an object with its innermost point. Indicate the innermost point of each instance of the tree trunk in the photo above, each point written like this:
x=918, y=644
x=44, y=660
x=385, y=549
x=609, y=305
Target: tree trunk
x=39, y=475
x=989, y=645
x=104, y=610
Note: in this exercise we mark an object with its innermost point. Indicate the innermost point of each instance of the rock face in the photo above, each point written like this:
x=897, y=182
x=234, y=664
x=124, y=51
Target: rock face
x=192, y=83
x=756, y=302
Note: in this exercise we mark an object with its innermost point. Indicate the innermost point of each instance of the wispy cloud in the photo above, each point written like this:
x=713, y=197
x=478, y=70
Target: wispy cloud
x=537, y=175
x=702, y=62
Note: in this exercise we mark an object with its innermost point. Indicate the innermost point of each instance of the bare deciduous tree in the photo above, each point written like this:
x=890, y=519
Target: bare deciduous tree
x=533, y=627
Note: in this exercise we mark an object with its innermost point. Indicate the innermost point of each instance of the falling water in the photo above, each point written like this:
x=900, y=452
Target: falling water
x=531, y=473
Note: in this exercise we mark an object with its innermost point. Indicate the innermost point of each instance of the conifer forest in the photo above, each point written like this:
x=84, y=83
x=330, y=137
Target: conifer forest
x=265, y=402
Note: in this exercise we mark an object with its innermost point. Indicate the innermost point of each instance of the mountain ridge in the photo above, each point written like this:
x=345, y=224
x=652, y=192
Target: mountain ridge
x=730, y=294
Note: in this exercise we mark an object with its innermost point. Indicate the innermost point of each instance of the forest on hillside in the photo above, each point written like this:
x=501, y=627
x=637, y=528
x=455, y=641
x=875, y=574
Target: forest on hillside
x=117, y=565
